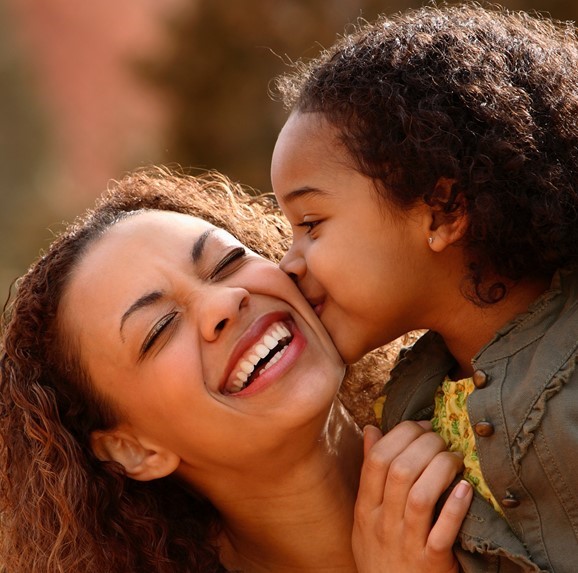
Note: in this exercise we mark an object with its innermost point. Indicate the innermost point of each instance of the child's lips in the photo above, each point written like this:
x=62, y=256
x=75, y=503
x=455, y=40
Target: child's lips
x=317, y=304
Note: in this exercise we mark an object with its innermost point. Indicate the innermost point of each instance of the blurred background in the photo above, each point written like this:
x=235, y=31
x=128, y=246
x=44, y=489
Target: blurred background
x=93, y=89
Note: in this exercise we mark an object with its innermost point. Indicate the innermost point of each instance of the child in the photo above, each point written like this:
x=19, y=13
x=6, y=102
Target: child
x=429, y=170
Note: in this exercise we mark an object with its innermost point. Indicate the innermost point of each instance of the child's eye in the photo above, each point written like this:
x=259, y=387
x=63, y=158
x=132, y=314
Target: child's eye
x=309, y=225
x=157, y=330
x=224, y=266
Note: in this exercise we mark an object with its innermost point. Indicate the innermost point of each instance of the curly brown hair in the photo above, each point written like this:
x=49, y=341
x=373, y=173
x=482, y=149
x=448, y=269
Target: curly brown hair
x=479, y=95
x=62, y=509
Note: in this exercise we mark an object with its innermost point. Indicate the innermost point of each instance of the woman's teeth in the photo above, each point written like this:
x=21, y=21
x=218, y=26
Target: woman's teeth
x=269, y=349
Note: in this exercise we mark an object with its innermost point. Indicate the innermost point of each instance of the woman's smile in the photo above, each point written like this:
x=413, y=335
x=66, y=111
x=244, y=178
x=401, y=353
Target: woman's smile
x=265, y=351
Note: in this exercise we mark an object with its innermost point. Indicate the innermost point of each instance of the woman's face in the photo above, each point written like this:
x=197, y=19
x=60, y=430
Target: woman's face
x=203, y=346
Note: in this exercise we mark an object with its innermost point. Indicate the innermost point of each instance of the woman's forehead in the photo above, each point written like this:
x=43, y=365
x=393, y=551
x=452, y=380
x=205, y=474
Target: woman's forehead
x=151, y=218
x=154, y=229
x=167, y=234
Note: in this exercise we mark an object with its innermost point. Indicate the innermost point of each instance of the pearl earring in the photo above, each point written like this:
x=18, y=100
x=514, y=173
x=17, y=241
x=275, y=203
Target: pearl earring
x=430, y=240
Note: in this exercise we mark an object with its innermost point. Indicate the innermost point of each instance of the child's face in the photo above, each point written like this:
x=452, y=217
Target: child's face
x=358, y=260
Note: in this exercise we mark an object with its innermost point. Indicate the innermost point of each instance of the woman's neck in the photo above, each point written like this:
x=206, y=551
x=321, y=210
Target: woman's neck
x=302, y=518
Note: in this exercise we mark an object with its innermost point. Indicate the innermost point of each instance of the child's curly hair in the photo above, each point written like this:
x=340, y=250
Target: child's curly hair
x=482, y=96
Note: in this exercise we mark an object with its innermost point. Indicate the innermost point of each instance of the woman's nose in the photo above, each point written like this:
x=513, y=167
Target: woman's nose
x=221, y=306
x=293, y=264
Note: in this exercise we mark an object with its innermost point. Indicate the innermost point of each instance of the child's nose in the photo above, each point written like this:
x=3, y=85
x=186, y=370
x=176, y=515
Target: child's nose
x=220, y=307
x=293, y=264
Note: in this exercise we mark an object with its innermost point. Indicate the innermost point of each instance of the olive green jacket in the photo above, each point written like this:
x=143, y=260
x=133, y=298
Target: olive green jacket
x=524, y=412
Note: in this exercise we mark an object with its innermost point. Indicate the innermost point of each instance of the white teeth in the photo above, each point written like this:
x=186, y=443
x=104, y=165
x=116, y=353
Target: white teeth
x=275, y=358
x=261, y=350
x=246, y=366
x=242, y=377
x=283, y=331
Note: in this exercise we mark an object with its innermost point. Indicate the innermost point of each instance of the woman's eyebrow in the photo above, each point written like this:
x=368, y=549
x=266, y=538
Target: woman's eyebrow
x=142, y=302
x=199, y=245
x=152, y=297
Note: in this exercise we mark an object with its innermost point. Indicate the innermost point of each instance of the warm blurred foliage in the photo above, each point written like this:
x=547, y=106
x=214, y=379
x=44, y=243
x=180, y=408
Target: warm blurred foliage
x=88, y=94
x=22, y=140
x=218, y=76
x=225, y=55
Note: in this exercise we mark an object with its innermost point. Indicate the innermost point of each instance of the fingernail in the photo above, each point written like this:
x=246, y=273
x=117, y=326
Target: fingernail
x=462, y=489
x=425, y=424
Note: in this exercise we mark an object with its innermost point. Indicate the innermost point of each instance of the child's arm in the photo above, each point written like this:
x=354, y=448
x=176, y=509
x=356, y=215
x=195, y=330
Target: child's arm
x=404, y=474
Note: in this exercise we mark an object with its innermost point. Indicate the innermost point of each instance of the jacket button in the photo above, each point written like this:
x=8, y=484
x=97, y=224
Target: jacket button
x=510, y=501
x=480, y=379
x=484, y=429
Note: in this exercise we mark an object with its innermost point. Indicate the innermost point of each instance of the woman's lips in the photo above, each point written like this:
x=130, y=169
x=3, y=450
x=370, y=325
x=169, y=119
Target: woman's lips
x=251, y=337
x=266, y=352
x=285, y=358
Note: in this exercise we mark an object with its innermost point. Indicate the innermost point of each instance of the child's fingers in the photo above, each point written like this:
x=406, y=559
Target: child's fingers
x=409, y=475
x=404, y=474
x=428, y=488
x=378, y=459
x=447, y=526
x=371, y=435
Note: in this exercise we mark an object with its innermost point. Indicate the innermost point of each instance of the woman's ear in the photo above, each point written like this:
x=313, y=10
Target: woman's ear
x=142, y=461
x=449, y=220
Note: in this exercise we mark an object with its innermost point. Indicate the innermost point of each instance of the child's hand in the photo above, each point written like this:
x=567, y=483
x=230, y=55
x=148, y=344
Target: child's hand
x=403, y=475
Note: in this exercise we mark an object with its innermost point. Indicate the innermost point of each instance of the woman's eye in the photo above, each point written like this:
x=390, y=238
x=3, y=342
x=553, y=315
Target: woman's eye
x=225, y=265
x=157, y=330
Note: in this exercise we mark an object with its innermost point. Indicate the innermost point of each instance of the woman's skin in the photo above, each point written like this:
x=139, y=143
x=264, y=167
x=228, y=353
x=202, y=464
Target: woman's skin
x=166, y=310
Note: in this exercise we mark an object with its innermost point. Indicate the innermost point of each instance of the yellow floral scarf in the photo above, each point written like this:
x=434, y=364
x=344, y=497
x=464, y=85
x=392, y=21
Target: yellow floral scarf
x=452, y=423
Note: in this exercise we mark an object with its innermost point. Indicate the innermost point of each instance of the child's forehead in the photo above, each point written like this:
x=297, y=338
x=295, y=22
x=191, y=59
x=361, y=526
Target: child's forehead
x=309, y=142
x=312, y=126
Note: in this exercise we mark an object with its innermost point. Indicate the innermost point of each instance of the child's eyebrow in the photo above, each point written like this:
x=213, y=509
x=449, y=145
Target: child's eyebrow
x=304, y=192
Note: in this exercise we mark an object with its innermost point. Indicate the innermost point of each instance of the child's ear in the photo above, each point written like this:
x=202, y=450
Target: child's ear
x=449, y=215
x=141, y=460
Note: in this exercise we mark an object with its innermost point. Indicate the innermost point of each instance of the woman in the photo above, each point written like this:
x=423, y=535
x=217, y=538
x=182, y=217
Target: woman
x=168, y=404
